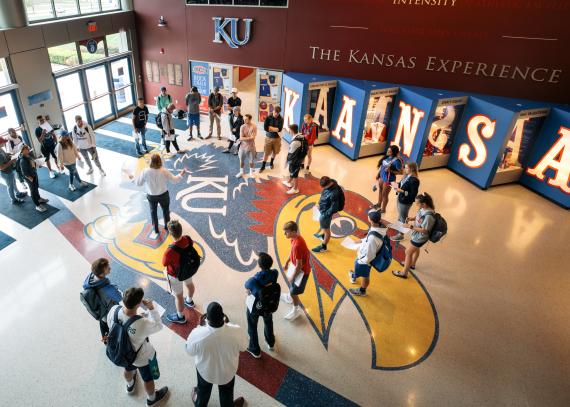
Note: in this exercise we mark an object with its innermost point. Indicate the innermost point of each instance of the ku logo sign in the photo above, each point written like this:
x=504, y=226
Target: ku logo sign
x=232, y=38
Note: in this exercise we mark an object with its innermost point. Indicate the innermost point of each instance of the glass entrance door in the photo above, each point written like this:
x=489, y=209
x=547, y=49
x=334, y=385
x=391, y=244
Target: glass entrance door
x=99, y=92
x=10, y=116
x=72, y=96
x=122, y=83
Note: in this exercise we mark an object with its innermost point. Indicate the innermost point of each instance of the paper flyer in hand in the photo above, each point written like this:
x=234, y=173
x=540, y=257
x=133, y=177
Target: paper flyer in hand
x=46, y=126
x=350, y=244
x=316, y=213
x=291, y=272
x=399, y=226
x=249, y=301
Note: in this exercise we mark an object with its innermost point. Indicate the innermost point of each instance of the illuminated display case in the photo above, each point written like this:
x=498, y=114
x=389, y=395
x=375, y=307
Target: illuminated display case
x=312, y=94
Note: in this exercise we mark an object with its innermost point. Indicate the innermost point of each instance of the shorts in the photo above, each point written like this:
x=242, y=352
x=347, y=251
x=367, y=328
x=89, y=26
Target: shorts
x=361, y=270
x=418, y=244
x=246, y=156
x=177, y=286
x=294, y=290
x=294, y=169
x=193, y=119
x=272, y=145
x=325, y=222
x=149, y=372
x=47, y=151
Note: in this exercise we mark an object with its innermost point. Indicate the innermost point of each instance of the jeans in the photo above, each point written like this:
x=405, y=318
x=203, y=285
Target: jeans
x=142, y=132
x=34, y=187
x=403, y=211
x=174, y=143
x=94, y=156
x=72, y=168
x=226, y=392
x=164, y=201
x=252, y=318
x=10, y=179
x=215, y=117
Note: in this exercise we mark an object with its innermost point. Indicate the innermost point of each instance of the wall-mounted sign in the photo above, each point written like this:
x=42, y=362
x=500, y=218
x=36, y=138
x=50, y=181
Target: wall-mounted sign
x=199, y=77
x=91, y=26
x=91, y=46
x=40, y=97
x=231, y=38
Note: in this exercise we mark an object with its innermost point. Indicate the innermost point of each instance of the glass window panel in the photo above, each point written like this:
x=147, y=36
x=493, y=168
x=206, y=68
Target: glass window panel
x=117, y=43
x=108, y=5
x=274, y=3
x=124, y=98
x=101, y=107
x=121, y=73
x=38, y=9
x=196, y=1
x=89, y=6
x=8, y=116
x=97, y=81
x=221, y=2
x=65, y=8
x=69, y=116
x=86, y=56
x=246, y=2
x=63, y=56
x=4, y=73
x=69, y=87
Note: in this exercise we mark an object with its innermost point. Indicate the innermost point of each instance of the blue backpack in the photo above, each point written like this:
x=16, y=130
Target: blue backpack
x=384, y=256
x=119, y=346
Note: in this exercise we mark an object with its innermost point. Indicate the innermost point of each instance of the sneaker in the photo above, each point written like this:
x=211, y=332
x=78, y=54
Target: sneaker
x=41, y=208
x=292, y=191
x=43, y=200
x=358, y=292
x=52, y=174
x=239, y=174
x=190, y=138
x=72, y=187
x=320, y=249
x=83, y=184
x=270, y=348
x=236, y=152
x=239, y=402
x=102, y=172
x=200, y=137
x=319, y=236
x=351, y=277
x=17, y=201
x=158, y=396
x=293, y=314
x=397, y=237
x=153, y=235
x=256, y=355
x=412, y=267
x=131, y=388
x=261, y=169
x=287, y=184
x=226, y=151
x=271, y=166
x=175, y=319
x=189, y=304
x=219, y=137
x=286, y=297
x=251, y=172
x=90, y=171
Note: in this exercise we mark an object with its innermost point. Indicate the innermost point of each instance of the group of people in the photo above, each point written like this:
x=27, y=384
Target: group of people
x=18, y=161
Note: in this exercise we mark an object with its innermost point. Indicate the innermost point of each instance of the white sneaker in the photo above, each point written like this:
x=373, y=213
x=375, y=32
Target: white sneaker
x=41, y=208
x=239, y=174
x=251, y=172
x=292, y=191
x=102, y=172
x=90, y=171
x=72, y=187
x=351, y=278
x=286, y=297
x=293, y=314
x=287, y=184
x=270, y=348
x=51, y=174
x=153, y=235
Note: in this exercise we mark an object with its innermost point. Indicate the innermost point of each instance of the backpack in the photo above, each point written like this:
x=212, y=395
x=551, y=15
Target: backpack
x=267, y=301
x=189, y=261
x=300, y=154
x=119, y=346
x=439, y=229
x=384, y=256
x=341, y=199
x=158, y=121
x=96, y=303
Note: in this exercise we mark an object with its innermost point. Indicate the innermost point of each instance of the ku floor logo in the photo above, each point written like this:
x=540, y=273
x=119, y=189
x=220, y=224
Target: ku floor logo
x=237, y=218
x=232, y=39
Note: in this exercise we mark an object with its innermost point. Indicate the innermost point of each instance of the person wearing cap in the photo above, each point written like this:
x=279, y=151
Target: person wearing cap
x=8, y=173
x=215, y=106
x=233, y=102
x=236, y=121
x=163, y=100
x=215, y=345
x=369, y=248
x=67, y=154
x=193, y=101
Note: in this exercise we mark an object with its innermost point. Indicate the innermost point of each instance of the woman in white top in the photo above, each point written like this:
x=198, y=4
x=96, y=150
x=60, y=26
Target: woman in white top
x=66, y=155
x=155, y=179
x=247, y=152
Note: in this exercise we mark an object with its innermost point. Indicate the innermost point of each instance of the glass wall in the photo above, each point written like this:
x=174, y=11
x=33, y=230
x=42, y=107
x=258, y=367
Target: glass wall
x=41, y=10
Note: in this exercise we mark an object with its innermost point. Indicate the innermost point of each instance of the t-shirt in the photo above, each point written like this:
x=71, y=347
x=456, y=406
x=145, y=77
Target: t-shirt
x=171, y=258
x=310, y=131
x=233, y=102
x=247, y=131
x=140, y=117
x=299, y=250
x=14, y=145
x=387, y=168
x=424, y=219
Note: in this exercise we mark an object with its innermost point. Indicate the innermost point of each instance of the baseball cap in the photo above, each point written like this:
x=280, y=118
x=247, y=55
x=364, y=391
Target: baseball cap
x=374, y=216
x=215, y=315
x=234, y=90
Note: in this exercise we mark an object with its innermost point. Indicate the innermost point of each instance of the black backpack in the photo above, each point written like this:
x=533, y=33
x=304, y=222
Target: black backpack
x=189, y=261
x=267, y=300
x=439, y=229
x=158, y=121
x=119, y=346
x=299, y=154
x=341, y=199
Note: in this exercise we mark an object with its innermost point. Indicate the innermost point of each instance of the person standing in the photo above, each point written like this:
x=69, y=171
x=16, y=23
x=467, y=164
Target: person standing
x=48, y=141
x=28, y=167
x=193, y=101
x=246, y=152
x=298, y=273
x=297, y=151
x=140, y=119
x=8, y=173
x=310, y=130
x=330, y=202
x=256, y=286
x=84, y=140
x=407, y=190
x=420, y=228
x=236, y=121
x=139, y=328
x=233, y=102
x=155, y=179
x=215, y=106
x=13, y=146
x=67, y=154
x=215, y=346
x=388, y=167
x=172, y=261
x=168, y=129
x=367, y=251
x=163, y=100
x=273, y=125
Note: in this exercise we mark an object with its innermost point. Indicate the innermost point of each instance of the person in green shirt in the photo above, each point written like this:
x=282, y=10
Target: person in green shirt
x=163, y=100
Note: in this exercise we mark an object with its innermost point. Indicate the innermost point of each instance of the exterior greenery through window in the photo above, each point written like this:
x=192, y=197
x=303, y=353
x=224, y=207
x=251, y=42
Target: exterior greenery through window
x=41, y=10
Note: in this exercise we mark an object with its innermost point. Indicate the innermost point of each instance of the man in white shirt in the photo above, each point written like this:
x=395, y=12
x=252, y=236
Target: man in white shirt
x=139, y=331
x=216, y=345
x=369, y=248
x=84, y=139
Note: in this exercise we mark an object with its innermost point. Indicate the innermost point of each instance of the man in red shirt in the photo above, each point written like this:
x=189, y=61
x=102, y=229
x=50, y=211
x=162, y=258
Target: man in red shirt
x=297, y=268
x=171, y=260
x=310, y=130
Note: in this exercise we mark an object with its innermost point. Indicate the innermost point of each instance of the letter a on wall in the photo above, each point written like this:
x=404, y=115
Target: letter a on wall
x=343, y=129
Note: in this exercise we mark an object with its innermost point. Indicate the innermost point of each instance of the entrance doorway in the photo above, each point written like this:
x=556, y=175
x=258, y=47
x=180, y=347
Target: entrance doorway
x=10, y=115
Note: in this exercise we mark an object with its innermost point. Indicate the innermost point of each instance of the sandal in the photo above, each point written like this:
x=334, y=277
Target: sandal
x=399, y=275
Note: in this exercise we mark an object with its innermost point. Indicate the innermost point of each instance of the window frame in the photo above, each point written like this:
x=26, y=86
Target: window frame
x=236, y=5
x=78, y=15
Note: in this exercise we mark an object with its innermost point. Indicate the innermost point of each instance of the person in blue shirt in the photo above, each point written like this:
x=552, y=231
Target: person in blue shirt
x=388, y=167
x=253, y=286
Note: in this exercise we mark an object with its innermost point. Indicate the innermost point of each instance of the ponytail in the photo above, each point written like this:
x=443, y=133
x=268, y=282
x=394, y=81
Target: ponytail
x=426, y=199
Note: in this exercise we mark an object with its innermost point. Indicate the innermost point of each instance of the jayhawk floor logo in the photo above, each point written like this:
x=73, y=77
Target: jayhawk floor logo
x=240, y=217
